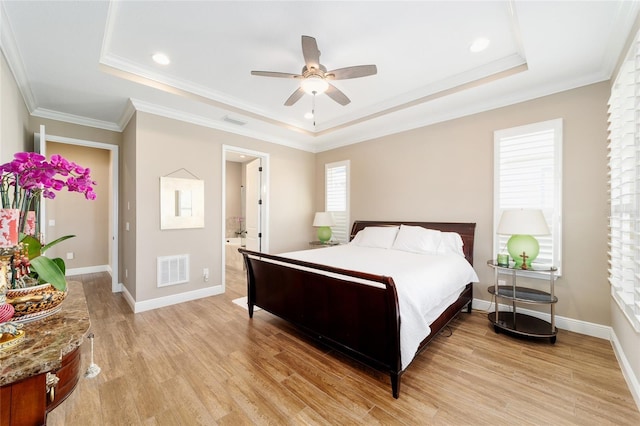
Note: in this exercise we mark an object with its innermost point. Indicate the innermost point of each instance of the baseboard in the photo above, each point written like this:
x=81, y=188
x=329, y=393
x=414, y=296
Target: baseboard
x=160, y=302
x=627, y=371
x=87, y=270
x=564, y=323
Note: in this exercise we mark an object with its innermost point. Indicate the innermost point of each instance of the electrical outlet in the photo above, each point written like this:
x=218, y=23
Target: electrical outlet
x=205, y=274
x=502, y=282
x=70, y=255
x=126, y=273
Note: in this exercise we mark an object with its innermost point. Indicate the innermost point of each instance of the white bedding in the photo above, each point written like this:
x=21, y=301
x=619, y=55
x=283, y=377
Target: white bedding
x=424, y=283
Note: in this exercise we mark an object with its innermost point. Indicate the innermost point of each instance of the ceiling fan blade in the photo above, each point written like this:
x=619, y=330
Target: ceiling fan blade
x=310, y=52
x=275, y=74
x=337, y=95
x=295, y=96
x=352, y=72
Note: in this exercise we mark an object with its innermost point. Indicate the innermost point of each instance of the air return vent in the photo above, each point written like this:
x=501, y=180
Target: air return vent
x=173, y=270
x=234, y=121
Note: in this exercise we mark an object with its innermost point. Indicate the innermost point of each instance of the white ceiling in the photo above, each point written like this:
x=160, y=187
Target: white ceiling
x=89, y=62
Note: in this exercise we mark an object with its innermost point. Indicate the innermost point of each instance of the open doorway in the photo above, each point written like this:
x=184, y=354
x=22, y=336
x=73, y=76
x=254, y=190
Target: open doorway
x=245, y=183
x=110, y=217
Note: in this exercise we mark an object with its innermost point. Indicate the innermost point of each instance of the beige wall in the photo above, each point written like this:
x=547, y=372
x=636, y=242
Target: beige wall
x=444, y=172
x=164, y=146
x=14, y=116
x=74, y=215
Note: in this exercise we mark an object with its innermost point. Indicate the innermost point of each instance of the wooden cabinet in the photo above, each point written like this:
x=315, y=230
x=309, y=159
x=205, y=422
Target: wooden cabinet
x=44, y=368
x=26, y=403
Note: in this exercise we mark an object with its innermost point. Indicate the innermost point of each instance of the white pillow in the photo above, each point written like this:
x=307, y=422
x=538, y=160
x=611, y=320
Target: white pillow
x=451, y=242
x=376, y=236
x=416, y=239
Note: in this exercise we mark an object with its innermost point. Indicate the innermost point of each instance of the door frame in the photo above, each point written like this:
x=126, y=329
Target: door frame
x=116, y=287
x=264, y=228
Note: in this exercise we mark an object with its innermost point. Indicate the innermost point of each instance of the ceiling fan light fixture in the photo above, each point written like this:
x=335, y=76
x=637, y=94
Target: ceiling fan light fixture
x=314, y=85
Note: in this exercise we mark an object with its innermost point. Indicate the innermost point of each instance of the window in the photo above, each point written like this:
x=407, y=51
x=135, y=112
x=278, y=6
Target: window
x=624, y=176
x=337, y=198
x=528, y=174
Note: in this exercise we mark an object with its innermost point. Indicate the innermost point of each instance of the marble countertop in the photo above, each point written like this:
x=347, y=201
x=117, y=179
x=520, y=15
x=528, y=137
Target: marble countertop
x=47, y=340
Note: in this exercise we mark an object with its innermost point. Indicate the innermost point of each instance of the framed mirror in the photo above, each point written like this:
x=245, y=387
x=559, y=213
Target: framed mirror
x=181, y=203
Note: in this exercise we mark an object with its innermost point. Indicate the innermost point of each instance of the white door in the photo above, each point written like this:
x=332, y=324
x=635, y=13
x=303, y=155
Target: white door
x=254, y=205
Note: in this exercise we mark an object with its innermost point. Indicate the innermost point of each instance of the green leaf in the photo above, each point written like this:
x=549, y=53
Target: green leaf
x=54, y=242
x=49, y=271
x=34, y=249
x=60, y=264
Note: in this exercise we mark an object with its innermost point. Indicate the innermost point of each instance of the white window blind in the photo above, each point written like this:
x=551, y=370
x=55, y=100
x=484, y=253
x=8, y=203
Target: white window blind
x=624, y=177
x=528, y=174
x=337, y=198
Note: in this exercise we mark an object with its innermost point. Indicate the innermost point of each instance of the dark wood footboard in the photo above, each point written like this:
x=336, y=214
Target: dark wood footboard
x=359, y=319
x=332, y=305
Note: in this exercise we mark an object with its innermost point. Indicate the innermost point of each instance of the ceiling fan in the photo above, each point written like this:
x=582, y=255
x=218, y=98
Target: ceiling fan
x=315, y=78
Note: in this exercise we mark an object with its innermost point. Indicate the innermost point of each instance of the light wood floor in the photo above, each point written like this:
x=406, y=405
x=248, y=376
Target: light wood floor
x=205, y=363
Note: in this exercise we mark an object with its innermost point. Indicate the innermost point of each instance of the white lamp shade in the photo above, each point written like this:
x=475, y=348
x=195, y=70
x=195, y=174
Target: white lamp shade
x=315, y=84
x=323, y=219
x=523, y=222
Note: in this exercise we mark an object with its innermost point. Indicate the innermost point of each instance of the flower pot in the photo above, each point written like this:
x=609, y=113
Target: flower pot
x=33, y=303
x=9, y=224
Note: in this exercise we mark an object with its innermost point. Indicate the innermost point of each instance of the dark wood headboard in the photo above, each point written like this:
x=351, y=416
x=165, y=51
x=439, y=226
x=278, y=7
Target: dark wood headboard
x=466, y=231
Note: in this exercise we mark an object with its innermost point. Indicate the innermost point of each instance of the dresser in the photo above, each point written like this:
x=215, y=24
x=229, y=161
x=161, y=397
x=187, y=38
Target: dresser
x=43, y=369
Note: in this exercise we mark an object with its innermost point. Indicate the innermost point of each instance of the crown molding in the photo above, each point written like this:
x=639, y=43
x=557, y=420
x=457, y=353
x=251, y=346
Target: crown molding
x=162, y=111
x=76, y=119
x=14, y=60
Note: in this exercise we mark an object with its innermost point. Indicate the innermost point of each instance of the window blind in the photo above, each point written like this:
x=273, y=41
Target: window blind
x=624, y=179
x=527, y=174
x=337, y=198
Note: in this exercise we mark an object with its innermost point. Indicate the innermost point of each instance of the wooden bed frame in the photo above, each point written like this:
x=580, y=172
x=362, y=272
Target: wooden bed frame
x=359, y=320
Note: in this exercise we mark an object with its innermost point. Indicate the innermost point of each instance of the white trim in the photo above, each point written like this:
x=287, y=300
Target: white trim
x=217, y=124
x=569, y=324
x=627, y=371
x=174, y=299
x=75, y=119
x=88, y=270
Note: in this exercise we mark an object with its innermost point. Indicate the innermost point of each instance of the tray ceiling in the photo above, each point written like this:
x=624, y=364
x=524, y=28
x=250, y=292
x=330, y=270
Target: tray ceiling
x=91, y=62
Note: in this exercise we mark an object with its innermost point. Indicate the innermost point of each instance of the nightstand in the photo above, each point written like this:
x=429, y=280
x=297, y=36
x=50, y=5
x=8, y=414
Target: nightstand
x=518, y=323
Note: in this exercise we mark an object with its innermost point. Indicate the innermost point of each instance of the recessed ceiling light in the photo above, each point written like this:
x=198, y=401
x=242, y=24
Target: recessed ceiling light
x=479, y=44
x=308, y=115
x=161, y=58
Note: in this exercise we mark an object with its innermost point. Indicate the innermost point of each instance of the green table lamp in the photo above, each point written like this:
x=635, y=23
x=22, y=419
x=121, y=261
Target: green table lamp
x=323, y=221
x=522, y=224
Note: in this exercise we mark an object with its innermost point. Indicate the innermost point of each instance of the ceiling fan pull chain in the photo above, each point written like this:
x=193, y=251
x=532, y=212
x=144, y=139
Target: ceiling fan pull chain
x=313, y=109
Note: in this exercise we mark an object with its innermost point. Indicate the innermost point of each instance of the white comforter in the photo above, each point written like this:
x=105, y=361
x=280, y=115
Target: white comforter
x=426, y=284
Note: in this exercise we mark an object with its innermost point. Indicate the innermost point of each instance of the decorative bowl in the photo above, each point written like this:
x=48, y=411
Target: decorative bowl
x=36, y=302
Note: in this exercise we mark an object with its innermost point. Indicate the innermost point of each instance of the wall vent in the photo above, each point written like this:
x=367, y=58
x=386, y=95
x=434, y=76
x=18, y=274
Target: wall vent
x=234, y=121
x=173, y=270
